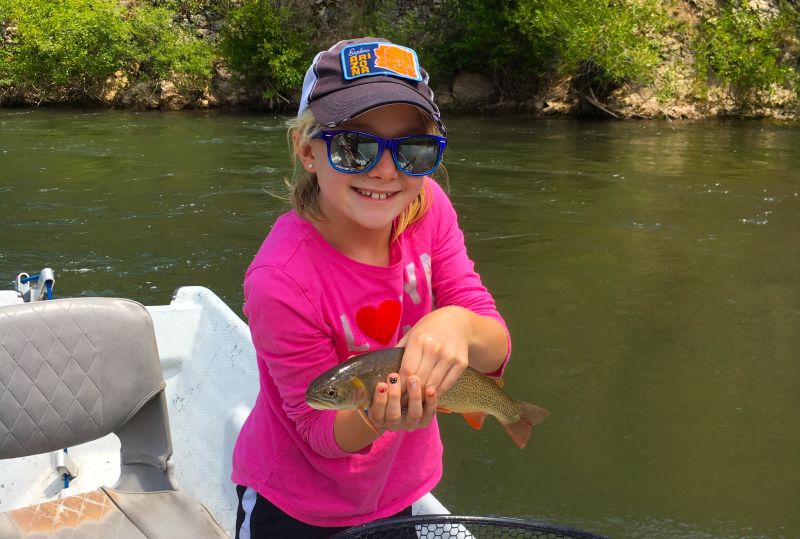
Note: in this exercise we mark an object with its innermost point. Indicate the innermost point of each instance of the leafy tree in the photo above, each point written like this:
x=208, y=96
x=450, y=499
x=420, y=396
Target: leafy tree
x=602, y=44
x=268, y=42
x=163, y=50
x=65, y=47
x=66, y=50
x=481, y=36
x=748, y=50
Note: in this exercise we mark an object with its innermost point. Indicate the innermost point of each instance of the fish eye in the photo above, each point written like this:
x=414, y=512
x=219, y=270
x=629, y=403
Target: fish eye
x=331, y=392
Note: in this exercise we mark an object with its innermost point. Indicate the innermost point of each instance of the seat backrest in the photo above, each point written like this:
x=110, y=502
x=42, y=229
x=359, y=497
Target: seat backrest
x=74, y=370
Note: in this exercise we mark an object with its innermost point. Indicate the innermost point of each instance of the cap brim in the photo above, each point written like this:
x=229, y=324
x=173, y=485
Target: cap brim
x=347, y=103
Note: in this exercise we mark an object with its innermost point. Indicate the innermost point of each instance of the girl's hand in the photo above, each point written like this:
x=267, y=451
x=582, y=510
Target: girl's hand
x=437, y=348
x=391, y=410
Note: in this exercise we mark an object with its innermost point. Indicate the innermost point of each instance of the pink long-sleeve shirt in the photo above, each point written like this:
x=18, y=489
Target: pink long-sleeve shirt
x=309, y=307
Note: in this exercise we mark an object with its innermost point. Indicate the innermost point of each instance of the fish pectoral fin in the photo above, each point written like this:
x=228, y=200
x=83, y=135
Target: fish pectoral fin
x=475, y=419
x=443, y=410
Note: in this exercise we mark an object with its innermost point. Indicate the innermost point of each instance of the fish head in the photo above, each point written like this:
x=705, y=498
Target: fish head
x=337, y=392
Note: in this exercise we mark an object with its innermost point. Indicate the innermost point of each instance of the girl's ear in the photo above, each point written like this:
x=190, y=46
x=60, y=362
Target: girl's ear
x=303, y=151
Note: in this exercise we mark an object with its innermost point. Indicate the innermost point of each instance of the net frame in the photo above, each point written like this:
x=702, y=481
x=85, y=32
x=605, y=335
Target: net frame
x=461, y=527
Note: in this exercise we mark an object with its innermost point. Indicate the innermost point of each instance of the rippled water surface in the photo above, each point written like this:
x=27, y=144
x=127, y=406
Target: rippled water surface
x=649, y=272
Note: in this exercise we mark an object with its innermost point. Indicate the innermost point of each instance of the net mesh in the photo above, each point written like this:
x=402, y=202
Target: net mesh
x=461, y=527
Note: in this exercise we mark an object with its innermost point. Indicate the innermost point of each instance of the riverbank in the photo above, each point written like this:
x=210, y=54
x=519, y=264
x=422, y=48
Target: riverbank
x=688, y=59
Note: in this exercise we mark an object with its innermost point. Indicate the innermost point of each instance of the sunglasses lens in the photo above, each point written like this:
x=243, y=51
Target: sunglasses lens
x=352, y=152
x=418, y=155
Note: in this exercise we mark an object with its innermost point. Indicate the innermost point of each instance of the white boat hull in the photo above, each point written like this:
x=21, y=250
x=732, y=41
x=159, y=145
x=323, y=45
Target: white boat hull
x=205, y=351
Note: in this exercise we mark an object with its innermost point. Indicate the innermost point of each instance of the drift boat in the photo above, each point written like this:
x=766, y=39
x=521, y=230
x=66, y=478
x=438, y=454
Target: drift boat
x=208, y=363
x=119, y=420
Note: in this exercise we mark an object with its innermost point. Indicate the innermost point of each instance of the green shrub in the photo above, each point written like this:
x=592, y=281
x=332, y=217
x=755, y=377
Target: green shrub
x=268, y=43
x=67, y=49
x=187, y=8
x=399, y=22
x=748, y=50
x=164, y=50
x=603, y=43
x=63, y=47
x=479, y=36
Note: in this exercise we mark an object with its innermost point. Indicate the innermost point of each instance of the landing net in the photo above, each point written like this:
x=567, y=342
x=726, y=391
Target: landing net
x=461, y=527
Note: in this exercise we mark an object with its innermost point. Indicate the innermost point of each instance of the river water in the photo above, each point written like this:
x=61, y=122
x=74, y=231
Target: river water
x=649, y=273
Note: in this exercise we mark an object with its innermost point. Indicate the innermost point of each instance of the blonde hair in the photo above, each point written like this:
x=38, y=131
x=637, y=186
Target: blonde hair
x=303, y=186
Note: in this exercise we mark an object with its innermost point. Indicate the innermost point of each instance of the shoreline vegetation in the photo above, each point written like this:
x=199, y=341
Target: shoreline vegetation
x=674, y=59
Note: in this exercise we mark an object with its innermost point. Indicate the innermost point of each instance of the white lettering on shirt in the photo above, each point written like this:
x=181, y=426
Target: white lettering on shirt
x=351, y=340
x=425, y=259
x=410, y=286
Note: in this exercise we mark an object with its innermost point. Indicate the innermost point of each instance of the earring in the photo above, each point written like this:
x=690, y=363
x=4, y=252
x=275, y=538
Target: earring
x=310, y=166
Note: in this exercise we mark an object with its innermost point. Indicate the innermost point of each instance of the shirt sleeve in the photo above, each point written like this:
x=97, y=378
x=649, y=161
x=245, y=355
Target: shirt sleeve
x=292, y=343
x=453, y=277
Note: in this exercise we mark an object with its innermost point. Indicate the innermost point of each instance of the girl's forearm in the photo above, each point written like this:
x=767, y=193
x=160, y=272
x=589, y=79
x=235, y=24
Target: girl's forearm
x=488, y=343
x=353, y=430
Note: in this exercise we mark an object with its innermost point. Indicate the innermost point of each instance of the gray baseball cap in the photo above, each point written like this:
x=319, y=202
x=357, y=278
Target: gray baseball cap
x=357, y=75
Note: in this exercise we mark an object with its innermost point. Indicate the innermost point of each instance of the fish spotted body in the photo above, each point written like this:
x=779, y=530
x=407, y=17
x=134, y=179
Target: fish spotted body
x=352, y=384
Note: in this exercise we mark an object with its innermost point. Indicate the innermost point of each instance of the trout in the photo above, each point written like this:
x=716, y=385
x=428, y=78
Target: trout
x=352, y=384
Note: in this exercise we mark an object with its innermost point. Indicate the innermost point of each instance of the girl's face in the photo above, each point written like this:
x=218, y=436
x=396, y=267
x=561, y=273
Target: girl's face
x=367, y=201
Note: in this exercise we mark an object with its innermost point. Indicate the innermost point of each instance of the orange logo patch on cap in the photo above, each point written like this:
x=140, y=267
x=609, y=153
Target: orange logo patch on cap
x=397, y=59
x=366, y=59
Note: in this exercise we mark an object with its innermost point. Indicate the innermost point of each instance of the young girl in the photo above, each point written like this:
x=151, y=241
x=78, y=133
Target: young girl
x=370, y=257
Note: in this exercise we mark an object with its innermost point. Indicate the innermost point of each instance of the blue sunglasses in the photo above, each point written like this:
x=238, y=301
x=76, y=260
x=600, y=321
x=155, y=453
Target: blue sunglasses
x=353, y=152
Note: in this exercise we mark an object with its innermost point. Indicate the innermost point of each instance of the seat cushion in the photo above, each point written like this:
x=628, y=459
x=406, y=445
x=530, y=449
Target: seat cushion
x=73, y=370
x=110, y=514
x=92, y=514
x=162, y=514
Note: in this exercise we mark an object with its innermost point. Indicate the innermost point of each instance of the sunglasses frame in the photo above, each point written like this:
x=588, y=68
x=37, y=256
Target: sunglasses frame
x=383, y=144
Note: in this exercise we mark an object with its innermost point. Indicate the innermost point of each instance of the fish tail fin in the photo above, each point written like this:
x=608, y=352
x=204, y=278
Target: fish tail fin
x=520, y=431
x=475, y=419
x=533, y=414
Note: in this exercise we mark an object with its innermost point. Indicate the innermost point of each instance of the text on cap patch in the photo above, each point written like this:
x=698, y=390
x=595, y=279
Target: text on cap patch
x=367, y=59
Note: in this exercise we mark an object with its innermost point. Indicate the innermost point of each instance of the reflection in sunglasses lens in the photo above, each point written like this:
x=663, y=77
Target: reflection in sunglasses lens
x=417, y=155
x=353, y=151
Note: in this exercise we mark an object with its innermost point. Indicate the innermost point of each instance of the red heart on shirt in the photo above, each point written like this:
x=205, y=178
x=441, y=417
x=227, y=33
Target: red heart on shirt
x=379, y=323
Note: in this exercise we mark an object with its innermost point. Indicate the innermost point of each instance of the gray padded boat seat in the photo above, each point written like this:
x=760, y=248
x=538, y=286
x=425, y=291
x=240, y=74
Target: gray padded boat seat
x=74, y=370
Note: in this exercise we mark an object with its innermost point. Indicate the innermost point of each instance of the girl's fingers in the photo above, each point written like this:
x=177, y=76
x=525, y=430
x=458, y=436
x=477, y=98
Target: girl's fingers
x=377, y=412
x=445, y=373
x=414, y=411
x=393, y=415
x=412, y=356
x=438, y=373
x=450, y=379
x=429, y=406
x=428, y=358
x=441, y=365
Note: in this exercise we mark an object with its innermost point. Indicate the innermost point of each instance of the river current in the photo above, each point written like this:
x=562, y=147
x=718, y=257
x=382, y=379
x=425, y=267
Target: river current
x=648, y=272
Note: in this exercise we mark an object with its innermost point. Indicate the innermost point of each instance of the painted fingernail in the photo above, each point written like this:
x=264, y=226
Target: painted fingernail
x=382, y=389
x=413, y=383
x=393, y=380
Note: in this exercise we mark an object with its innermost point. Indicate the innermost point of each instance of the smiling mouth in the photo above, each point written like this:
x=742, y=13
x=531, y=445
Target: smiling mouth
x=373, y=195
